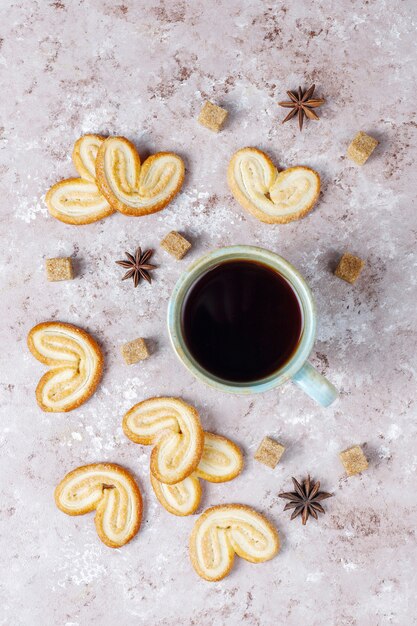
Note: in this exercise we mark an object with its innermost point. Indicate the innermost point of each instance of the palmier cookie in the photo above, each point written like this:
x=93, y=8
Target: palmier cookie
x=182, y=499
x=228, y=529
x=134, y=188
x=112, y=492
x=78, y=200
x=174, y=428
x=220, y=462
x=76, y=365
x=271, y=196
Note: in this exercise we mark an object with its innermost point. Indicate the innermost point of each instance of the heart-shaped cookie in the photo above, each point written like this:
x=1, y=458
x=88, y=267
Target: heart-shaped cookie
x=111, y=491
x=174, y=428
x=78, y=200
x=75, y=362
x=182, y=498
x=134, y=188
x=271, y=196
x=84, y=156
x=220, y=462
x=228, y=529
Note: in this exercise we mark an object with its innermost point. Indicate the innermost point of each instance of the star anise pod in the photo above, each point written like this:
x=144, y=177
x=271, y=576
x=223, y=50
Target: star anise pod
x=302, y=103
x=305, y=500
x=137, y=266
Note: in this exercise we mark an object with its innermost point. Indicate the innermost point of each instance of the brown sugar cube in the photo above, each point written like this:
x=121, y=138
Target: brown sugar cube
x=354, y=460
x=175, y=244
x=349, y=268
x=134, y=351
x=361, y=148
x=212, y=117
x=269, y=452
x=59, y=269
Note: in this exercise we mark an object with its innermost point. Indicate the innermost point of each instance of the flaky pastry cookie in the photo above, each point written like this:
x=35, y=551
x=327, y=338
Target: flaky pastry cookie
x=75, y=361
x=134, y=188
x=111, y=491
x=221, y=461
x=181, y=499
x=228, y=529
x=271, y=196
x=174, y=428
x=78, y=200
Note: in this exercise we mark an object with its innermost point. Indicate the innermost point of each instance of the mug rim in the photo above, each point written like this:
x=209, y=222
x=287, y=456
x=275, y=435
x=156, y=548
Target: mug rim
x=275, y=262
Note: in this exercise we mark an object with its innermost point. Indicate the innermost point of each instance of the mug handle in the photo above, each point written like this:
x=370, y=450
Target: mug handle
x=315, y=385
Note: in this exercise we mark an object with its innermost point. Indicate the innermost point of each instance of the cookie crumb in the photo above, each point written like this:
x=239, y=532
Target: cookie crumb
x=176, y=244
x=269, y=452
x=361, y=148
x=59, y=269
x=135, y=351
x=212, y=116
x=349, y=268
x=354, y=460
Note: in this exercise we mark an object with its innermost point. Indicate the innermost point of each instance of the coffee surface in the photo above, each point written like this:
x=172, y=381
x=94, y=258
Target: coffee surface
x=241, y=321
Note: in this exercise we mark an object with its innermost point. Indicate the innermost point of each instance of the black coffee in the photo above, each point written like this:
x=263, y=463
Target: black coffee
x=241, y=321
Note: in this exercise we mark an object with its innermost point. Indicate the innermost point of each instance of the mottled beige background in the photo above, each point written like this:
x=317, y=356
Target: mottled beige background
x=143, y=70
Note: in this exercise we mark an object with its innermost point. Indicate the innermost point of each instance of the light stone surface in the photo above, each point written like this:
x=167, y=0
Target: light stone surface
x=143, y=70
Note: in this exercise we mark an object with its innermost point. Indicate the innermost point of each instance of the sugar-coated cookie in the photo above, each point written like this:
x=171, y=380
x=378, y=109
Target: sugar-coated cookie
x=173, y=427
x=271, y=196
x=78, y=200
x=134, y=188
x=228, y=529
x=75, y=361
x=221, y=461
x=109, y=490
x=182, y=498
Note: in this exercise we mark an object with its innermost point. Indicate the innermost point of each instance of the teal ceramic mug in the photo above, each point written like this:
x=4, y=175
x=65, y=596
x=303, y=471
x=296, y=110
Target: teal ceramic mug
x=297, y=368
